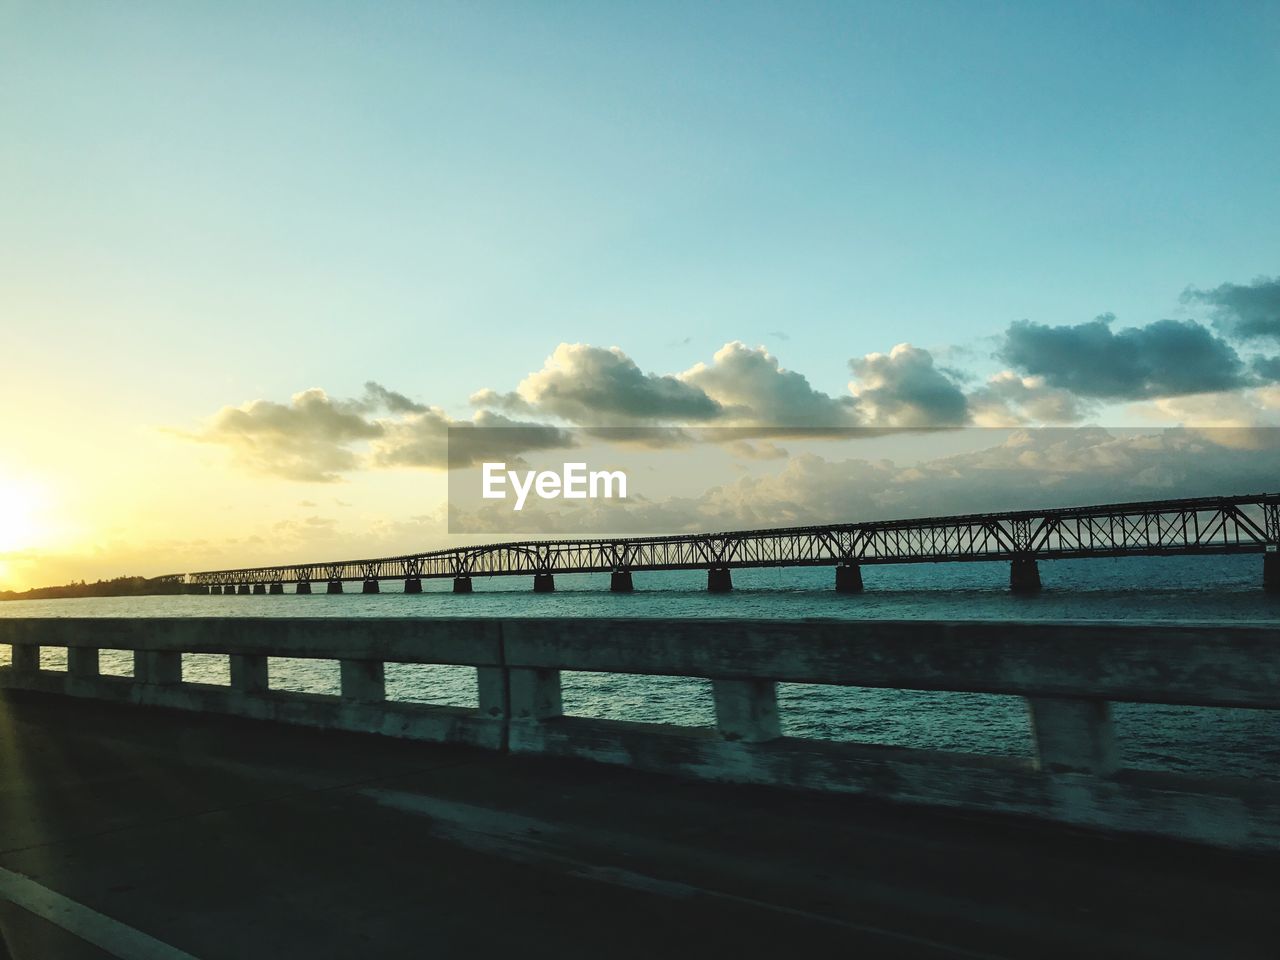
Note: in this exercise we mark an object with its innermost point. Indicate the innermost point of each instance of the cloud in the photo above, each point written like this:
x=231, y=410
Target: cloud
x=378, y=397
x=1164, y=358
x=604, y=388
x=1267, y=368
x=1008, y=400
x=1242, y=419
x=310, y=530
x=751, y=388
x=433, y=440
x=1031, y=469
x=760, y=450
x=316, y=439
x=903, y=388
x=308, y=439
x=1246, y=312
x=511, y=402
x=595, y=386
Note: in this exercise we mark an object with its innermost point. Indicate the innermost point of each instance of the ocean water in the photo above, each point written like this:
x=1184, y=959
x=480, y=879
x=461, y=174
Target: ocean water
x=1210, y=741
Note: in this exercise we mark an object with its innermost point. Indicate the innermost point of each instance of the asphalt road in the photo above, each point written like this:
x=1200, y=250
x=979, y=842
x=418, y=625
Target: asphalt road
x=160, y=835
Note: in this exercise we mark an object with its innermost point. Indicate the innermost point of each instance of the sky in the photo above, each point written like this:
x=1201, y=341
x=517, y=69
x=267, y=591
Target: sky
x=255, y=259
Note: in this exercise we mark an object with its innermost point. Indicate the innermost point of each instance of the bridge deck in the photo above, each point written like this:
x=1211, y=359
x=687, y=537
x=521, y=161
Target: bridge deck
x=228, y=838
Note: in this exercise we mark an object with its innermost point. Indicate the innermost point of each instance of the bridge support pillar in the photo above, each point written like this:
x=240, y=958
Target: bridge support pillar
x=243, y=590
x=534, y=694
x=335, y=586
x=620, y=581
x=719, y=580
x=413, y=585
x=370, y=586
x=228, y=588
x=304, y=586
x=848, y=578
x=747, y=710
x=461, y=584
x=1271, y=572
x=544, y=583
x=248, y=673
x=276, y=588
x=363, y=680
x=1073, y=735
x=1024, y=576
x=259, y=588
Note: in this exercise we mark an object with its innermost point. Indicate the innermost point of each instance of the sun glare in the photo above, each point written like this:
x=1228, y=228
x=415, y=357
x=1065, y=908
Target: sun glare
x=20, y=504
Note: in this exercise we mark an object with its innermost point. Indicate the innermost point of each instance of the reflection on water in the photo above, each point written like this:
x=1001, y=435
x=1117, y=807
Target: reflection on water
x=1216, y=741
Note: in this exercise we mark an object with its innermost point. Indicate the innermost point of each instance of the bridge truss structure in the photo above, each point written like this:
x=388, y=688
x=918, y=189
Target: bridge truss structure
x=1206, y=525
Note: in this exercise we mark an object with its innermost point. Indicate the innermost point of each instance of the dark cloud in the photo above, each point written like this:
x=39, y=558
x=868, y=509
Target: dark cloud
x=1243, y=311
x=903, y=388
x=1163, y=359
x=1266, y=368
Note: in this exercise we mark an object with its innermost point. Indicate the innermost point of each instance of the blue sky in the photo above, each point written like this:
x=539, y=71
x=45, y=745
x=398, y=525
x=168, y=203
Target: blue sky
x=208, y=205
x=485, y=181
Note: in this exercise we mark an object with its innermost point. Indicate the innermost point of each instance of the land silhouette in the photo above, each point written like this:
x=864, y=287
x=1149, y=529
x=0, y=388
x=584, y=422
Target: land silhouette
x=115, y=587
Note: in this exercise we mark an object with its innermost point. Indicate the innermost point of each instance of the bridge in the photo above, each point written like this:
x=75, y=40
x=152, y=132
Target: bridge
x=148, y=816
x=1206, y=525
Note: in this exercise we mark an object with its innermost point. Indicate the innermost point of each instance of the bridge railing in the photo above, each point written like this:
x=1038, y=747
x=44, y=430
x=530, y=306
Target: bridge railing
x=1069, y=674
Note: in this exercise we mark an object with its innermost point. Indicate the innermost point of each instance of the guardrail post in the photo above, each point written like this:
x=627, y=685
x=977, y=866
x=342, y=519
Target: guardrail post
x=747, y=710
x=26, y=657
x=82, y=662
x=248, y=673
x=1073, y=735
x=82, y=671
x=491, y=686
x=534, y=693
x=363, y=680
x=157, y=667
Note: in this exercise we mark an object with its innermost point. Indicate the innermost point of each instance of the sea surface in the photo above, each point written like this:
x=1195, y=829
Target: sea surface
x=1210, y=741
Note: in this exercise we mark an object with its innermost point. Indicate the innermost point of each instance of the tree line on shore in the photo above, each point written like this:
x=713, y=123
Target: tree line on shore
x=115, y=587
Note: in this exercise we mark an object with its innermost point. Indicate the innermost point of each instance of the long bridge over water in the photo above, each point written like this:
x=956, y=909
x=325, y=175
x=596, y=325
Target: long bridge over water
x=1204, y=525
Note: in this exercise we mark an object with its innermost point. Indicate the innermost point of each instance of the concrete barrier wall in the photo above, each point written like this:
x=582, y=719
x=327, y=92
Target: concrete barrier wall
x=1068, y=673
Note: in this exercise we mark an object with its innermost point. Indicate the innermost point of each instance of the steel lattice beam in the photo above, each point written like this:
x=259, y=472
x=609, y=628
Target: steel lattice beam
x=1241, y=524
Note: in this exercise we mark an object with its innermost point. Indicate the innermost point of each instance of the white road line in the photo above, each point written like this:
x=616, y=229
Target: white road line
x=110, y=935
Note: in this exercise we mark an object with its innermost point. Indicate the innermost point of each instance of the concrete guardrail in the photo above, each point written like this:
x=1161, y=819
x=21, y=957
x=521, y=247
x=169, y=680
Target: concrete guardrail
x=1069, y=674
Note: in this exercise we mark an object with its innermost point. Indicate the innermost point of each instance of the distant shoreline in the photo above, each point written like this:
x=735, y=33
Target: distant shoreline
x=119, y=587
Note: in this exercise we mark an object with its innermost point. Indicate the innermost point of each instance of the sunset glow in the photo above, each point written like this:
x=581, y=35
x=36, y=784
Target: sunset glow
x=21, y=506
